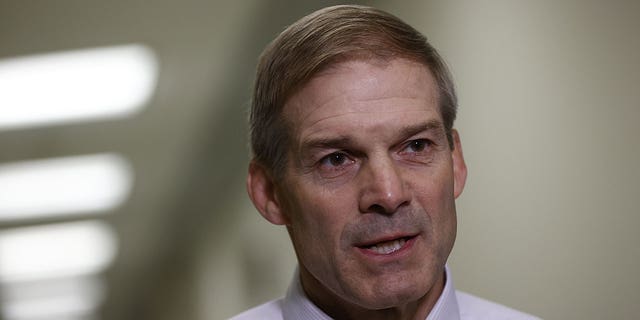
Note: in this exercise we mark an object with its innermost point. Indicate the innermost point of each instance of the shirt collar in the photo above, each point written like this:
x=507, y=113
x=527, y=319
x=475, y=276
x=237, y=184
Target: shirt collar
x=447, y=305
x=296, y=305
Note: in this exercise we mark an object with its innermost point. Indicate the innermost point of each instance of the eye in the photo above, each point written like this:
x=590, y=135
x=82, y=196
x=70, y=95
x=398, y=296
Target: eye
x=418, y=145
x=336, y=164
x=335, y=159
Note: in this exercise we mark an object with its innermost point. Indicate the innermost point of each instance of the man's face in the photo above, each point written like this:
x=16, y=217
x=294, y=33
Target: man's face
x=368, y=193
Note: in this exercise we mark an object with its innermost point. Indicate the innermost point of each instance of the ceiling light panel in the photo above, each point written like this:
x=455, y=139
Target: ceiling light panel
x=56, y=251
x=63, y=186
x=72, y=86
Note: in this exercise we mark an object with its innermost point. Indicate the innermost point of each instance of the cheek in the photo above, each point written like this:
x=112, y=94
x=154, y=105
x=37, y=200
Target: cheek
x=435, y=195
x=318, y=219
x=435, y=191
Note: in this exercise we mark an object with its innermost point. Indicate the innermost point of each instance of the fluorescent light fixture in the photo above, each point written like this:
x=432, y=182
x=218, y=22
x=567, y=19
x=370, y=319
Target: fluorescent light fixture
x=59, y=299
x=56, y=251
x=65, y=317
x=63, y=186
x=76, y=85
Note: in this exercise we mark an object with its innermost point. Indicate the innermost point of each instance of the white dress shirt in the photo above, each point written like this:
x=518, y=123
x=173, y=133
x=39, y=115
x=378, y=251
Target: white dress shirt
x=451, y=305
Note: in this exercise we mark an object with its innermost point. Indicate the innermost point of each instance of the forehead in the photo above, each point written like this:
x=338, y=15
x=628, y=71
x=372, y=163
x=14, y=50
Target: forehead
x=356, y=89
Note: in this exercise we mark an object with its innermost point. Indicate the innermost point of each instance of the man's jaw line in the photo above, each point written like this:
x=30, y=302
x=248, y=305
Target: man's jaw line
x=409, y=310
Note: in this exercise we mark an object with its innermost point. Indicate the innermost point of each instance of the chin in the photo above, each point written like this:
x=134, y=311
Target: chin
x=385, y=297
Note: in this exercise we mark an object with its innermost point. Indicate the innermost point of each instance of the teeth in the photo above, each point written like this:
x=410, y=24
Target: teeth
x=388, y=247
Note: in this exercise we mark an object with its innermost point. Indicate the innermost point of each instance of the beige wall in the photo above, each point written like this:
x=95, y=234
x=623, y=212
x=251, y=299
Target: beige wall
x=549, y=104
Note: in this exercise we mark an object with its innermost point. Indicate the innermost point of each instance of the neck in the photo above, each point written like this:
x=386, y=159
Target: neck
x=339, y=308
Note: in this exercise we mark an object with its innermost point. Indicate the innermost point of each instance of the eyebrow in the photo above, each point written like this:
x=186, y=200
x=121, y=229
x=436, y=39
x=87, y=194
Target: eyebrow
x=343, y=141
x=434, y=126
x=339, y=142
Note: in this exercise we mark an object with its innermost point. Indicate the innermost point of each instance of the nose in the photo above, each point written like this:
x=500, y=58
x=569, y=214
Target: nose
x=382, y=189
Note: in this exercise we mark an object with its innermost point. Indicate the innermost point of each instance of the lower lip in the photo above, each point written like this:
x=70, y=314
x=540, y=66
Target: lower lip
x=404, y=250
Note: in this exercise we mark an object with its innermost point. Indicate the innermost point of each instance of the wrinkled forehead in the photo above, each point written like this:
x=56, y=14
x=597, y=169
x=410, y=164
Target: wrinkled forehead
x=359, y=80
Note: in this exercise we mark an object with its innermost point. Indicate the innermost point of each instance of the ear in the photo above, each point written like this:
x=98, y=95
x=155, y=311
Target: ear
x=262, y=191
x=459, y=167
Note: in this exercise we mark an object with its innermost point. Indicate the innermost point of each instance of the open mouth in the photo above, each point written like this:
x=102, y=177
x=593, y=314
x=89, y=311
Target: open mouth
x=387, y=247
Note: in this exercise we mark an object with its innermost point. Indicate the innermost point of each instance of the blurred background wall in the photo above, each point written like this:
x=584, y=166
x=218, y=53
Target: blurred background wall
x=549, y=106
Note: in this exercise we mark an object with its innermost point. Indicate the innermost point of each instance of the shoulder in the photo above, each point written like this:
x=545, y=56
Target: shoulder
x=271, y=310
x=475, y=308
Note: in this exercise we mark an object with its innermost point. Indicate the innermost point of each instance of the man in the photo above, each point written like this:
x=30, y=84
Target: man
x=355, y=153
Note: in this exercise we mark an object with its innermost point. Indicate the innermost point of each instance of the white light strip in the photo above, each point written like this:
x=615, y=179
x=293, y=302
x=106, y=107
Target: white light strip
x=58, y=307
x=75, y=85
x=63, y=186
x=56, y=300
x=55, y=251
